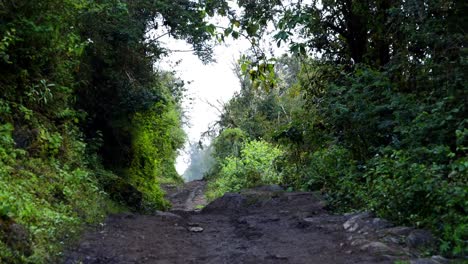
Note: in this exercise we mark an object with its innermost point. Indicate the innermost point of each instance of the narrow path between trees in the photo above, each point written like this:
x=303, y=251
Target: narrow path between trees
x=263, y=225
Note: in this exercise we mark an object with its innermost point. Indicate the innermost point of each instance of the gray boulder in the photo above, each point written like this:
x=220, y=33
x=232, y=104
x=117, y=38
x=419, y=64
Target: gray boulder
x=228, y=202
x=420, y=239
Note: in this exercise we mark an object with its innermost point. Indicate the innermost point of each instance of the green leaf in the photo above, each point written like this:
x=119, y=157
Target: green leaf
x=252, y=29
x=227, y=31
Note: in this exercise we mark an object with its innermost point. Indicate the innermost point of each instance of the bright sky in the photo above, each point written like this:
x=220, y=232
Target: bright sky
x=208, y=83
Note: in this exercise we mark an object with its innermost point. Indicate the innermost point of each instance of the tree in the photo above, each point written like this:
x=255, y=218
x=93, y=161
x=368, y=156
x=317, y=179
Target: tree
x=382, y=116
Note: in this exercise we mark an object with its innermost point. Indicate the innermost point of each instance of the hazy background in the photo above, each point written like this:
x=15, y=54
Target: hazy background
x=206, y=83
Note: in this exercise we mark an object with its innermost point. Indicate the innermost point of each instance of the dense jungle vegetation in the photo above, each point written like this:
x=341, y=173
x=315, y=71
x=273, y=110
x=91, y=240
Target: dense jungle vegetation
x=87, y=125
x=369, y=107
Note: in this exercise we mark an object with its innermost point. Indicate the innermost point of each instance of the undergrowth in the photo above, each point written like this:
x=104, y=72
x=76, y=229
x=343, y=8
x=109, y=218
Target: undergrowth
x=44, y=203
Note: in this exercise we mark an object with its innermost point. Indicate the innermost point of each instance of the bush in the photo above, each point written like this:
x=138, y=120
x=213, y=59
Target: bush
x=400, y=154
x=157, y=135
x=43, y=202
x=424, y=195
x=229, y=143
x=255, y=166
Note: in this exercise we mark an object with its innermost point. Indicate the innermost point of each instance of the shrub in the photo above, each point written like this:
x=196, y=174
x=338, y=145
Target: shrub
x=425, y=195
x=254, y=167
x=156, y=137
x=43, y=202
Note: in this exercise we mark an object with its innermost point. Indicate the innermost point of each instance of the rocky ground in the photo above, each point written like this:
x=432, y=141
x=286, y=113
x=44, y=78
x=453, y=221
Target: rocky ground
x=188, y=197
x=263, y=225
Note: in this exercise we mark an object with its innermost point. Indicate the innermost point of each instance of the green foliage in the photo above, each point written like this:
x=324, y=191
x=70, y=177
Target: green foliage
x=46, y=190
x=378, y=122
x=254, y=166
x=261, y=72
x=229, y=143
x=372, y=123
x=157, y=135
x=43, y=202
x=423, y=194
x=81, y=103
x=387, y=135
x=136, y=109
x=50, y=203
x=404, y=156
x=333, y=171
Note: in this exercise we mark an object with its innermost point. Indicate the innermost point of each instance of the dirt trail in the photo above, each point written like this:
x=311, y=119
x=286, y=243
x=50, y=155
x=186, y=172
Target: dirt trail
x=188, y=197
x=256, y=226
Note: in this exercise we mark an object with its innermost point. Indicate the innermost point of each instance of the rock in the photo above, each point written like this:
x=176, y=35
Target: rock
x=228, y=202
x=356, y=221
x=277, y=256
x=379, y=223
x=378, y=248
x=397, y=231
x=351, y=226
x=432, y=260
x=423, y=261
x=195, y=229
x=364, y=222
x=314, y=220
x=179, y=228
x=167, y=215
x=359, y=242
x=420, y=239
x=440, y=259
x=363, y=215
x=269, y=188
x=393, y=239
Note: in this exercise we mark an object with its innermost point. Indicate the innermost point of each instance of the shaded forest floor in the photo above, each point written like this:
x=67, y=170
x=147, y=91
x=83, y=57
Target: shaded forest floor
x=263, y=225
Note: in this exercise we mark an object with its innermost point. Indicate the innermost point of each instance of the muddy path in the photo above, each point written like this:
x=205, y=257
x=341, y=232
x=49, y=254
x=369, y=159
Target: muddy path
x=188, y=197
x=256, y=226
